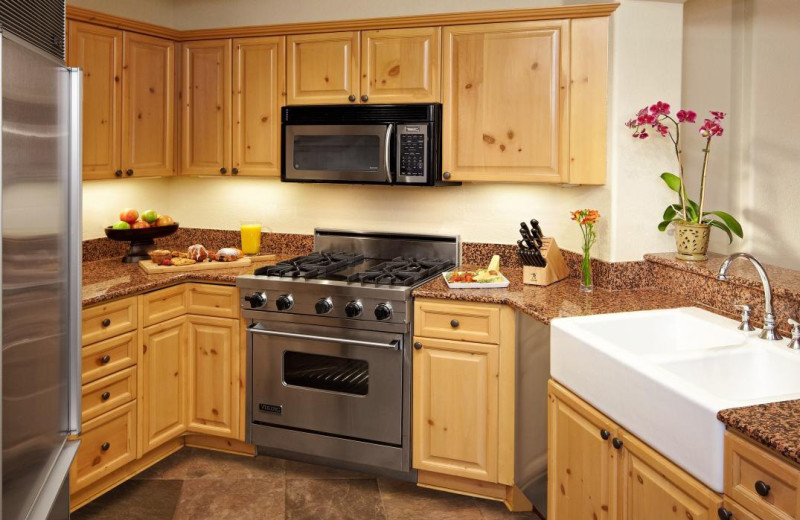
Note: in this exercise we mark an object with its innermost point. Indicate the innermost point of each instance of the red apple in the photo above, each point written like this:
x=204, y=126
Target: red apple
x=140, y=224
x=164, y=220
x=129, y=215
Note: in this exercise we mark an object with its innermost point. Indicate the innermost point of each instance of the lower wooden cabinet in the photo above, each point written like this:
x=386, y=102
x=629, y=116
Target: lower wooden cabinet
x=213, y=382
x=455, y=408
x=163, y=366
x=598, y=470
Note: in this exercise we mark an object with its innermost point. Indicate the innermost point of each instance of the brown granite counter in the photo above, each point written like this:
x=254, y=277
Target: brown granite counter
x=109, y=279
x=775, y=425
x=559, y=299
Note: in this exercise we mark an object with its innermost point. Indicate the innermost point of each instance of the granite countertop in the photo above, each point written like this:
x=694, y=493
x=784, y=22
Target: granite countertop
x=108, y=279
x=560, y=299
x=775, y=425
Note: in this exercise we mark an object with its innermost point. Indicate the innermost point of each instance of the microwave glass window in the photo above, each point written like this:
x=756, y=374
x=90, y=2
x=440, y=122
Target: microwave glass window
x=348, y=153
x=334, y=374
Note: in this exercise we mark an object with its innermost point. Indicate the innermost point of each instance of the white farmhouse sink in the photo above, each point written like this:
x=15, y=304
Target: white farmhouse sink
x=663, y=375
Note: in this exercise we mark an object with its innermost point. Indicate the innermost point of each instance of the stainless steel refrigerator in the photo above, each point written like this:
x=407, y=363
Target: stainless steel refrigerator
x=41, y=278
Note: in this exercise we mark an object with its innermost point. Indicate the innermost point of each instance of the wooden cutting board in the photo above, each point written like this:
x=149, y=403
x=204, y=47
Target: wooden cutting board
x=151, y=268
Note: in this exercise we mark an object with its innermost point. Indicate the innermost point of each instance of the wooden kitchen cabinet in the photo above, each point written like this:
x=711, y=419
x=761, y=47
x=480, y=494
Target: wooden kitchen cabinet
x=323, y=68
x=259, y=92
x=401, y=65
x=598, y=470
x=456, y=408
x=163, y=368
x=581, y=460
x=148, y=84
x=98, y=51
x=205, y=98
x=213, y=376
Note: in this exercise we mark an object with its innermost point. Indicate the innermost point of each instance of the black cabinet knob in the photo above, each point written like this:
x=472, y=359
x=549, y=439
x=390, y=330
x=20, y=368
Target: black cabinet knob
x=616, y=443
x=223, y=170
x=105, y=359
x=105, y=396
x=454, y=324
x=351, y=97
x=446, y=175
x=118, y=173
x=365, y=98
x=418, y=345
x=105, y=446
x=106, y=322
x=605, y=434
x=724, y=514
x=235, y=171
x=762, y=488
x=129, y=172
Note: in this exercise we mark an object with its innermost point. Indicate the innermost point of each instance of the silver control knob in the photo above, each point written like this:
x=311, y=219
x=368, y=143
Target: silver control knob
x=383, y=311
x=353, y=309
x=284, y=302
x=256, y=299
x=324, y=305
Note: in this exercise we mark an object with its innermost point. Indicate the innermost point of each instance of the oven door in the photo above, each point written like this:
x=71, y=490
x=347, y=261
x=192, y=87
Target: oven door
x=338, y=153
x=341, y=382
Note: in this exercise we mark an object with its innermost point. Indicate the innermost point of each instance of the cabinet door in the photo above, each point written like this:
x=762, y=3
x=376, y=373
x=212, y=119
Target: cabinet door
x=653, y=487
x=98, y=51
x=148, y=145
x=455, y=408
x=323, y=68
x=163, y=369
x=401, y=65
x=259, y=77
x=213, y=376
x=581, y=462
x=505, y=101
x=205, y=98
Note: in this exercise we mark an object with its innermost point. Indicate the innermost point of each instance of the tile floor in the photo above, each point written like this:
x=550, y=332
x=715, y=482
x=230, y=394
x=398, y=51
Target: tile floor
x=198, y=484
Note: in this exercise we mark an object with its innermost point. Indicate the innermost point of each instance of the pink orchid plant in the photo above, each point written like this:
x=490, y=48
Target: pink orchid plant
x=657, y=118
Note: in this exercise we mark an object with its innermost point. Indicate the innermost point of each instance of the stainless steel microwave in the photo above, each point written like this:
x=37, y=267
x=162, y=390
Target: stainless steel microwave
x=362, y=144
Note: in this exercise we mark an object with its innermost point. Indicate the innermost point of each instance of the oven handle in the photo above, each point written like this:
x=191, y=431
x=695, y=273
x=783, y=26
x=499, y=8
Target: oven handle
x=394, y=345
x=387, y=160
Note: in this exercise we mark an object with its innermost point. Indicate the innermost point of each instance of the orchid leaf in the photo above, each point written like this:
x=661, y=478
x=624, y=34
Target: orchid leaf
x=723, y=227
x=670, y=212
x=672, y=181
x=732, y=224
x=664, y=224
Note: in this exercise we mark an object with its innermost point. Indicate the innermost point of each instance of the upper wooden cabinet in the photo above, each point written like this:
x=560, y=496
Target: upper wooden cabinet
x=401, y=65
x=98, y=51
x=322, y=68
x=205, y=98
x=259, y=92
x=148, y=126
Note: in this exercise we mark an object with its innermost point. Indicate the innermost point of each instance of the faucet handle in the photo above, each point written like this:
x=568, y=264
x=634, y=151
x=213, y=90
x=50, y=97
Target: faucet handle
x=745, y=325
x=795, y=341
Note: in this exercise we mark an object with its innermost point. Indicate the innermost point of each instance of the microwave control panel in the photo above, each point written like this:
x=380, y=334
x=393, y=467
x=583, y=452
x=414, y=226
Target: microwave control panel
x=412, y=153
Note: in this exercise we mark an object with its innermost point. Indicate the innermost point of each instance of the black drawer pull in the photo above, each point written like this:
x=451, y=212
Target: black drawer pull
x=454, y=324
x=105, y=396
x=616, y=443
x=762, y=488
x=605, y=434
x=106, y=322
x=105, y=359
x=724, y=514
x=105, y=446
x=418, y=345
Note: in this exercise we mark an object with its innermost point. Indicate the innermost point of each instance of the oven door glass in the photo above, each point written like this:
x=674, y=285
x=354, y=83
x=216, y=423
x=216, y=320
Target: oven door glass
x=341, y=382
x=338, y=153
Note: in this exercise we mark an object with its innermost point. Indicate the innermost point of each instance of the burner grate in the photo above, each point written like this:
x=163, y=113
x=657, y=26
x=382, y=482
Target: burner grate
x=311, y=266
x=401, y=271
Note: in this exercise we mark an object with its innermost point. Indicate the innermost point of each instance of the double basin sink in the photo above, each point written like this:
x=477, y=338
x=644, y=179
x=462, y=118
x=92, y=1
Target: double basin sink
x=663, y=375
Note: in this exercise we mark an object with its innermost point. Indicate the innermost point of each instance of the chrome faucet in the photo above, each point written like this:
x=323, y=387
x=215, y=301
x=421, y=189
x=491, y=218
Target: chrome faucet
x=770, y=331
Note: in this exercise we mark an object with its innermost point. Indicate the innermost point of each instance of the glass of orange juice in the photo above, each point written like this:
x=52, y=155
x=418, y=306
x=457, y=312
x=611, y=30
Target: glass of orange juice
x=251, y=237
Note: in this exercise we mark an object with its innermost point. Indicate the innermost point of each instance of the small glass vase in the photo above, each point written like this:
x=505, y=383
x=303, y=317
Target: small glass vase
x=586, y=272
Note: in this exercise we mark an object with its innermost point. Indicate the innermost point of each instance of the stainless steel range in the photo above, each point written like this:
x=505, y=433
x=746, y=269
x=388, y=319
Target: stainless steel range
x=329, y=348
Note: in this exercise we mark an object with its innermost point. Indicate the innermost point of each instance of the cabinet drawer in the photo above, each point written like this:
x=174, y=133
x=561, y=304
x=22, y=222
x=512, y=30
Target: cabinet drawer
x=738, y=512
x=107, y=357
x=748, y=468
x=108, y=442
x=213, y=300
x=163, y=305
x=106, y=394
x=108, y=320
x=457, y=321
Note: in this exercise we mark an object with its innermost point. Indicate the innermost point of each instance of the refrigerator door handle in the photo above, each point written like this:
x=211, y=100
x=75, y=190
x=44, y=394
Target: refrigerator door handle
x=75, y=245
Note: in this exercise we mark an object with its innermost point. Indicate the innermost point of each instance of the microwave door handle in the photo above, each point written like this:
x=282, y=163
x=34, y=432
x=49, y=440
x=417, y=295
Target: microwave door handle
x=394, y=345
x=387, y=162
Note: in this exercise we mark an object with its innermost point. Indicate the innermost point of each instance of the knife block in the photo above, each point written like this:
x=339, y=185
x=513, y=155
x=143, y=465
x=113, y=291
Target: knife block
x=555, y=270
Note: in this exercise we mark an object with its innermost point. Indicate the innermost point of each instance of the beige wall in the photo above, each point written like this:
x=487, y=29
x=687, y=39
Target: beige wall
x=644, y=65
x=159, y=12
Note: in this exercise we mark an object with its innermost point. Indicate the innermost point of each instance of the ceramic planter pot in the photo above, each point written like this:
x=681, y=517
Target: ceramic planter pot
x=691, y=240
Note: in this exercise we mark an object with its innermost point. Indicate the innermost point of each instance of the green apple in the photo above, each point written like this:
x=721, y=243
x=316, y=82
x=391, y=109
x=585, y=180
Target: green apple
x=121, y=225
x=149, y=216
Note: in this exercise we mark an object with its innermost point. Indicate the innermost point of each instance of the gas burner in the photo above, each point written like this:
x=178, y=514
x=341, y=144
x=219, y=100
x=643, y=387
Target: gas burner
x=401, y=271
x=311, y=266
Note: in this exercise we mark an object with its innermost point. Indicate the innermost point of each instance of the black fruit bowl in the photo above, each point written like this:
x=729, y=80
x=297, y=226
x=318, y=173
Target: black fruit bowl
x=142, y=240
